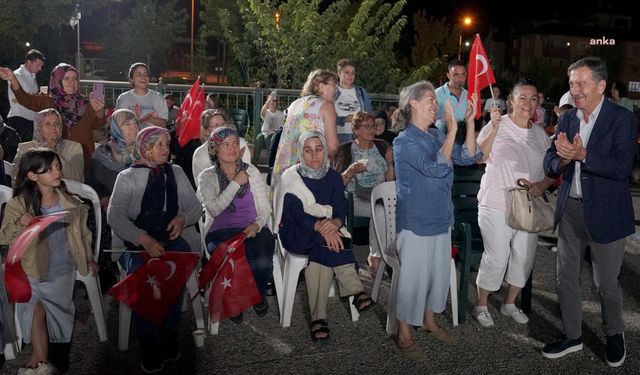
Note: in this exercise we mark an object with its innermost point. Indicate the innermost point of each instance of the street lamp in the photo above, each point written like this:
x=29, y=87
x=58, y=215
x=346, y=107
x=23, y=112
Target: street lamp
x=466, y=21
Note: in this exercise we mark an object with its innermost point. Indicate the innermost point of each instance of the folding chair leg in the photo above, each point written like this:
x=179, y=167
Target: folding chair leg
x=290, y=286
x=95, y=297
x=355, y=315
x=194, y=293
x=454, y=293
x=124, y=326
x=378, y=281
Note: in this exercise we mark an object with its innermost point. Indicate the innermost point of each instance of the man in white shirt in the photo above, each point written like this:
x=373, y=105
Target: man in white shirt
x=19, y=117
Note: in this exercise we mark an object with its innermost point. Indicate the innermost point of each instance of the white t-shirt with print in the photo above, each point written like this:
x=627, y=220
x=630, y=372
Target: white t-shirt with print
x=152, y=101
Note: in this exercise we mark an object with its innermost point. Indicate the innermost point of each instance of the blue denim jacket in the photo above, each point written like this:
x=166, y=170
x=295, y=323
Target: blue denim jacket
x=424, y=179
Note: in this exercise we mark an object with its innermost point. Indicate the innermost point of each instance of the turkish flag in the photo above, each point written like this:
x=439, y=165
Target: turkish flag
x=233, y=288
x=16, y=281
x=480, y=73
x=152, y=289
x=188, y=116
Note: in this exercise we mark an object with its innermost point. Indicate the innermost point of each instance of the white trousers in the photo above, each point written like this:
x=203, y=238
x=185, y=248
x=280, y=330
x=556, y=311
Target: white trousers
x=506, y=251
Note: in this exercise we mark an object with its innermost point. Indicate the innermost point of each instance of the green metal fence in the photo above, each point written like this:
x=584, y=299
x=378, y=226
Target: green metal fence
x=250, y=99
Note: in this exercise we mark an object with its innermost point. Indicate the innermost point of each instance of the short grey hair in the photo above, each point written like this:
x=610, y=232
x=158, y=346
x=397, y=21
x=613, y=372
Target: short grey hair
x=597, y=66
x=407, y=94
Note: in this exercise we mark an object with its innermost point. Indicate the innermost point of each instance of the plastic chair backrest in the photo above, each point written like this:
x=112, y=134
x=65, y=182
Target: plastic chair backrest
x=8, y=171
x=464, y=195
x=386, y=192
x=87, y=192
x=240, y=118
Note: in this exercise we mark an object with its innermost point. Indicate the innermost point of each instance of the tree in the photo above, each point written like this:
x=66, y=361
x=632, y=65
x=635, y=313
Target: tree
x=434, y=43
x=308, y=37
x=147, y=36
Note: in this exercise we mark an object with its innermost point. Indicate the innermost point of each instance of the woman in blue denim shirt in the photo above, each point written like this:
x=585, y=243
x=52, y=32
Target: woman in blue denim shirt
x=424, y=158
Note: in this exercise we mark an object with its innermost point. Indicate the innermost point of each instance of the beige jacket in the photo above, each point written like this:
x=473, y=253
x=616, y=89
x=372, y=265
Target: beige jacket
x=35, y=261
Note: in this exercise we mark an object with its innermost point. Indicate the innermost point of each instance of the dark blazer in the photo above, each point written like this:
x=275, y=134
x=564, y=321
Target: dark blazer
x=607, y=205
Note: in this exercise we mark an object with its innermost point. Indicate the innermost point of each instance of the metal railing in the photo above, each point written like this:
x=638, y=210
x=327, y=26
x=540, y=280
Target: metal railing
x=250, y=99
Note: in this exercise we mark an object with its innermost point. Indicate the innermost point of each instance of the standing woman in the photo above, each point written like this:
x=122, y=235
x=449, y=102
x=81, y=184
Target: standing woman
x=313, y=111
x=147, y=104
x=154, y=208
x=424, y=158
x=79, y=114
x=513, y=149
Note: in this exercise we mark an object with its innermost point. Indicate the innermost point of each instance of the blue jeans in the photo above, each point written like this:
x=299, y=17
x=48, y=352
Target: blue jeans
x=146, y=330
x=258, y=251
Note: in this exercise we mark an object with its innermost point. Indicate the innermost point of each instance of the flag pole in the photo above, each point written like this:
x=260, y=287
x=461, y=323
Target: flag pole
x=78, y=53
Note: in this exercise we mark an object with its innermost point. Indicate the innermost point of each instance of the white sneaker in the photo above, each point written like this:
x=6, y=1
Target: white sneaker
x=516, y=313
x=483, y=317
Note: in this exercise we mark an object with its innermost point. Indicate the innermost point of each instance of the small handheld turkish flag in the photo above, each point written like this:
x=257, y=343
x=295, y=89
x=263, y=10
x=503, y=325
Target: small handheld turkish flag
x=480, y=73
x=233, y=288
x=188, y=117
x=16, y=281
x=152, y=289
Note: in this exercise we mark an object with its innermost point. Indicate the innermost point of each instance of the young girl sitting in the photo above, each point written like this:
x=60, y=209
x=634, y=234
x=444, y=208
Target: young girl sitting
x=51, y=260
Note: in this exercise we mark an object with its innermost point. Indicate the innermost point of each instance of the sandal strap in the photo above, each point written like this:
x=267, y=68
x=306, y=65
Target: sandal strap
x=320, y=322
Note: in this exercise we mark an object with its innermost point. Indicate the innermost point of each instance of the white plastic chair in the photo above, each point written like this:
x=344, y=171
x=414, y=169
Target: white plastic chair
x=386, y=237
x=92, y=282
x=8, y=169
x=11, y=326
x=291, y=265
x=124, y=313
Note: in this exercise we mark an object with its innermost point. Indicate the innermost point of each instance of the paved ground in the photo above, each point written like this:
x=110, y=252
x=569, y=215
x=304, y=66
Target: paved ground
x=261, y=346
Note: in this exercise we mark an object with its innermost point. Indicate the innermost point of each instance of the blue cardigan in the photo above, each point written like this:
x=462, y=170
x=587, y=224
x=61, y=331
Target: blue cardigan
x=424, y=180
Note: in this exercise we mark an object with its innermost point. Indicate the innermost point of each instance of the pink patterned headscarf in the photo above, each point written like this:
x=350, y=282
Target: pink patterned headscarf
x=71, y=106
x=146, y=138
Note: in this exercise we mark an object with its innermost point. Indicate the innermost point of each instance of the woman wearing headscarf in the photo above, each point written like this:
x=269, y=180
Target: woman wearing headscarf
x=79, y=114
x=47, y=132
x=236, y=199
x=313, y=211
x=115, y=155
x=314, y=110
x=153, y=208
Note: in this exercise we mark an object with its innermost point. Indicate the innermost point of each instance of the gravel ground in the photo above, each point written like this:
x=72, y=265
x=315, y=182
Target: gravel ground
x=261, y=346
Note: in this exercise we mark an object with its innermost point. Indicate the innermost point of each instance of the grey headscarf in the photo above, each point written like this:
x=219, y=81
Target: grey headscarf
x=304, y=169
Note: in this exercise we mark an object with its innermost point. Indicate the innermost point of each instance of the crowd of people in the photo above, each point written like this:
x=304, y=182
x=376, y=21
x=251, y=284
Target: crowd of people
x=330, y=143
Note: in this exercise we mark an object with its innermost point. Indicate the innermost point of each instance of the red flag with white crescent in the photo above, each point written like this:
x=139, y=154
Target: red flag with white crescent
x=480, y=73
x=233, y=288
x=188, y=117
x=16, y=280
x=153, y=288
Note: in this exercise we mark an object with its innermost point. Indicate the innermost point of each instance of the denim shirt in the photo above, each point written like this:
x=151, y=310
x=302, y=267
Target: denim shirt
x=424, y=179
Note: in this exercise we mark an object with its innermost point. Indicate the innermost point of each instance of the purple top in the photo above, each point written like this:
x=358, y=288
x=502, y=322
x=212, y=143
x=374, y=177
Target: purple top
x=244, y=214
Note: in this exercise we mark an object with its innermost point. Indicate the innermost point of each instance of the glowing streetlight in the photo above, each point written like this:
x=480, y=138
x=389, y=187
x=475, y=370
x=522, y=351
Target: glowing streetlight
x=466, y=23
x=276, y=17
x=27, y=44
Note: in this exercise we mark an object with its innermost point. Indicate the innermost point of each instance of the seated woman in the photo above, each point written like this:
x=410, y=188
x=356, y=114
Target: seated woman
x=114, y=156
x=154, y=208
x=313, y=211
x=47, y=132
x=236, y=199
x=364, y=163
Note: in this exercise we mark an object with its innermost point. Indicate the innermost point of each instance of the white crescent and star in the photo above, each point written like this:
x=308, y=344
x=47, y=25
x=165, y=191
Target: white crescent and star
x=226, y=283
x=171, y=264
x=233, y=265
x=485, y=64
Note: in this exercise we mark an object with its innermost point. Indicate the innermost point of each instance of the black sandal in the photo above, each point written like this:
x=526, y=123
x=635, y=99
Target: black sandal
x=363, y=302
x=319, y=326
